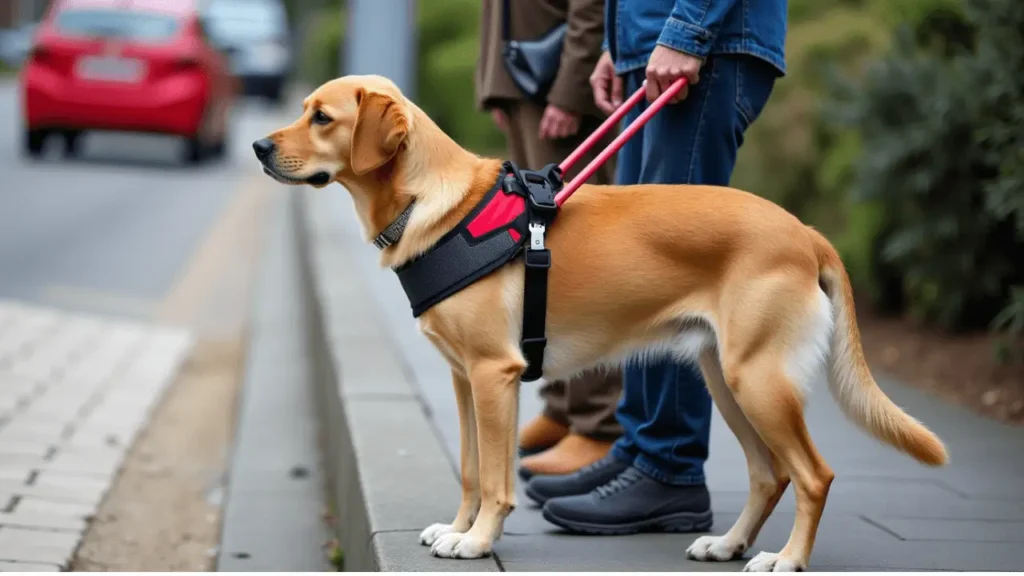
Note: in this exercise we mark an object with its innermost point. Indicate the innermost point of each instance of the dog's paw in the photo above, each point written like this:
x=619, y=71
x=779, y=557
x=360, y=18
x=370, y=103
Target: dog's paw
x=433, y=532
x=771, y=562
x=715, y=549
x=460, y=545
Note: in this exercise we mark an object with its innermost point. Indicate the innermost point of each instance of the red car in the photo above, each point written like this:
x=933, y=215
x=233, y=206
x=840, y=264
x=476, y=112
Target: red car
x=126, y=65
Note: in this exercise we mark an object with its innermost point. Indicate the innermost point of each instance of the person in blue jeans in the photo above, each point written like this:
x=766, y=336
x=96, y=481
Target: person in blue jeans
x=732, y=52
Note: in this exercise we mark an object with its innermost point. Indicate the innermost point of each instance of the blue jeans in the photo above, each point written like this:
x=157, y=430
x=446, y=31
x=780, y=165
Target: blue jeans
x=665, y=408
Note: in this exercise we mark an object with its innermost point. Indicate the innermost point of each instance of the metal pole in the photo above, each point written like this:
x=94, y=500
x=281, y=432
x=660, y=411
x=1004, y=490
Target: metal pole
x=381, y=39
x=24, y=12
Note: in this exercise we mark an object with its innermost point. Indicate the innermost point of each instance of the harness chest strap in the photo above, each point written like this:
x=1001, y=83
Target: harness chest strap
x=517, y=210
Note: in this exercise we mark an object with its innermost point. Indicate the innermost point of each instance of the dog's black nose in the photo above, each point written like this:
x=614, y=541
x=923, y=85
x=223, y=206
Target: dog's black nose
x=263, y=147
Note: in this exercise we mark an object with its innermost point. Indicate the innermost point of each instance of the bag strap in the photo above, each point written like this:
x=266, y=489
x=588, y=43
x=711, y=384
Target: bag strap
x=506, y=24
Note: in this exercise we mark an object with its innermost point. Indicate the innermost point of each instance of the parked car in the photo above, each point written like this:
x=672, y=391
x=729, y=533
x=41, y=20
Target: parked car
x=126, y=65
x=15, y=44
x=256, y=37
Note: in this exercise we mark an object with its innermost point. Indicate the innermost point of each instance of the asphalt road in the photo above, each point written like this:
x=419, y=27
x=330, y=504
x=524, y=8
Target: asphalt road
x=109, y=232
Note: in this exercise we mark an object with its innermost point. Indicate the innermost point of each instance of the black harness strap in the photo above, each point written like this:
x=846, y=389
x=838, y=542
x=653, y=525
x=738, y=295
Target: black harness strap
x=541, y=209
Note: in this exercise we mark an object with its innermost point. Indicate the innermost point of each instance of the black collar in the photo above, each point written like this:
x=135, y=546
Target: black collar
x=393, y=233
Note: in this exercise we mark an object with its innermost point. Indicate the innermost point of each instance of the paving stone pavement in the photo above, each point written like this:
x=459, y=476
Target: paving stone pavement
x=885, y=511
x=75, y=389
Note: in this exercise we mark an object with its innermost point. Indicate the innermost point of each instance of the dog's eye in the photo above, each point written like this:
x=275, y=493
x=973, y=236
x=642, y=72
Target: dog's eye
x=321, y=118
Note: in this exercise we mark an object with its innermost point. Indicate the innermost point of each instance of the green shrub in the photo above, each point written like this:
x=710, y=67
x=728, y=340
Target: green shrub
x=448, y=37
x=449, y=41
x=940, y=121
x=321, y=52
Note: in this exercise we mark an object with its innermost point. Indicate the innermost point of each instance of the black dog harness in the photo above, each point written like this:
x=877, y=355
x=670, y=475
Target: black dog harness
x=511, y=219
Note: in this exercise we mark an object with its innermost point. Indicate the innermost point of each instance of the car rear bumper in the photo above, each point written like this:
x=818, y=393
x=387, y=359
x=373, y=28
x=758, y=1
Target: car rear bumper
x=173, y=106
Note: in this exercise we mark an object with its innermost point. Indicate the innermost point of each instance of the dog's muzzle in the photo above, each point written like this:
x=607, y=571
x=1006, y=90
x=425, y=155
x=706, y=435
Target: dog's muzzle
x=265, y=148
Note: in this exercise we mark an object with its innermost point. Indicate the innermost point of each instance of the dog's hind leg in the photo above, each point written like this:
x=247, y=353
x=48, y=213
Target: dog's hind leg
x=470, y=465
x=495, y=386
x=774, y=406
x=768, y=479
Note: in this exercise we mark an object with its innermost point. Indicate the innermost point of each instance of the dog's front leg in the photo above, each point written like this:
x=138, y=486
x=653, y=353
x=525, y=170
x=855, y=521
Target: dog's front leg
x=470, y=463
x=495, y=386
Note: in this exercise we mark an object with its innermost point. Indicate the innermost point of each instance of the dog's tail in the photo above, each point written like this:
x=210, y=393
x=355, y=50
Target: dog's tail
x=849, y=378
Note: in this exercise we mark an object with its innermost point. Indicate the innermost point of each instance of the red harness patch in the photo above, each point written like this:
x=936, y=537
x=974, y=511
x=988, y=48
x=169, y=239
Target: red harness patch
x=501, y=211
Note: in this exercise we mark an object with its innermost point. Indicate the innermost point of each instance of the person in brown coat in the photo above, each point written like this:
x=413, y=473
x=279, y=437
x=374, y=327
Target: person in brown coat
x=578, y=425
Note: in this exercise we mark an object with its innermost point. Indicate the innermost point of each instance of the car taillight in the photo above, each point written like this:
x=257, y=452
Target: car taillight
x=188, y=63
x=39, y=54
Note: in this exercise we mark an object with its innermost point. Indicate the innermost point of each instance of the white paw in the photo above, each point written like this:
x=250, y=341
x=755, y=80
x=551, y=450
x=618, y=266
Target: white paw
x=433, y=532
x=715, y=549
x=771, y=562
x=460, y=545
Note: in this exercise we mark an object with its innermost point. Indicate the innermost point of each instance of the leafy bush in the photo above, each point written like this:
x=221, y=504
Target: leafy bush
x=448, y=38
x=941, y=119
x=321, y=52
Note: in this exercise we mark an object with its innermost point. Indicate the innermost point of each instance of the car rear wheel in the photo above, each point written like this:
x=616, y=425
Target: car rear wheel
x=72, y=143
x=194, y=151
x=219, y=149
x=35, y=142
x=275, y=92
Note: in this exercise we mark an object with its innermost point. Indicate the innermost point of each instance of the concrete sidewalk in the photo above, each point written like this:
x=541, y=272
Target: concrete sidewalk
x=392, y=414
x=75, y=389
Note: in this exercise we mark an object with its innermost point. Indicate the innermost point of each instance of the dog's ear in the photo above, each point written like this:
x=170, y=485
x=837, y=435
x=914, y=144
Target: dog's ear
x=381, y=127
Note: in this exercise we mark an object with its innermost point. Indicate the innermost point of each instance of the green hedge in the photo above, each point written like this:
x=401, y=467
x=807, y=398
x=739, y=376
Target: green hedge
x=448, y=37
x=941, y=118
x=900, y=137
x=449, y=40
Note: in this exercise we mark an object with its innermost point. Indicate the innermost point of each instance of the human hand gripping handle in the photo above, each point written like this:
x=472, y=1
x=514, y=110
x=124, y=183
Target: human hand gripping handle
x=671, y=93
x=665, y=67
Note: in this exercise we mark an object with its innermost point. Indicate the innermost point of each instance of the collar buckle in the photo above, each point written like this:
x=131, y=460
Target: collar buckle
x=393, y=233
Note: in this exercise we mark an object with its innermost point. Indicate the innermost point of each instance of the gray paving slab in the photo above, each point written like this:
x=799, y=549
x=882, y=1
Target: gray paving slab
x=68, y=383
x=885, y=511
x=276, y=494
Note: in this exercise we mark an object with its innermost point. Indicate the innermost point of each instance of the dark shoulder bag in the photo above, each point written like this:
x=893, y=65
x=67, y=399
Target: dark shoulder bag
x=532, y=64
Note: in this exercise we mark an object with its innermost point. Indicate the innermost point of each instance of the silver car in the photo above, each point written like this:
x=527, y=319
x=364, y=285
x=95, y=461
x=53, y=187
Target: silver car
x=256, y=37
x=15, y=44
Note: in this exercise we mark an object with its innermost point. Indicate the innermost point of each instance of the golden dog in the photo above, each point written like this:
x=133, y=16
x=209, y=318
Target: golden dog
x=709, y=274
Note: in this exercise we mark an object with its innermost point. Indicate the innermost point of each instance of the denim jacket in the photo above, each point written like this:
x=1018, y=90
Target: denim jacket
x=699, y=27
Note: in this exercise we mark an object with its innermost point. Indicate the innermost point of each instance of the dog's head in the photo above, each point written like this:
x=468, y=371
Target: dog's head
x=349, y=126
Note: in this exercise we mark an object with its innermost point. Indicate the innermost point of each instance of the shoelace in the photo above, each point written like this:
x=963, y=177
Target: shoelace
x=595, y=465
x=620, y=483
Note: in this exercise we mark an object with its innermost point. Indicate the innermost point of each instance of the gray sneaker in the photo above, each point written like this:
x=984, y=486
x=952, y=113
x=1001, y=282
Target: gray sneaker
x=633, y=502
x=542, y=487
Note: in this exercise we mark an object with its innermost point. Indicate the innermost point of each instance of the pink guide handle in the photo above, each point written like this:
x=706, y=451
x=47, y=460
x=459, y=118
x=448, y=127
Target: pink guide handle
x=603, y=129
x=619, y=141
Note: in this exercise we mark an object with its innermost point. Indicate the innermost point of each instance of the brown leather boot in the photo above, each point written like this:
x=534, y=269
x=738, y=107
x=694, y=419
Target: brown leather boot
x=540, y=434
x=572, y=453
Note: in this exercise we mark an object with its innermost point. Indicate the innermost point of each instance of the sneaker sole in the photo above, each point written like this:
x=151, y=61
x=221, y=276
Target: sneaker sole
x=679, y=522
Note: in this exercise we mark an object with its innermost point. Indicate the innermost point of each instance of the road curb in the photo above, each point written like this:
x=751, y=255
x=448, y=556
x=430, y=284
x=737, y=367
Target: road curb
x=276, y=471
x=388, y=473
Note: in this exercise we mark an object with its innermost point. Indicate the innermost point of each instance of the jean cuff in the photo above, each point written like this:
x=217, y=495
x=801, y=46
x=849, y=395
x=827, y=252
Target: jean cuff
x=647, y=467
x=620, y=453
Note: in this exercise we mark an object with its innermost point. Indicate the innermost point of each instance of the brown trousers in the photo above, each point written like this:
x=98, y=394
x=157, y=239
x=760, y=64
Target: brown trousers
x=586, y=403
